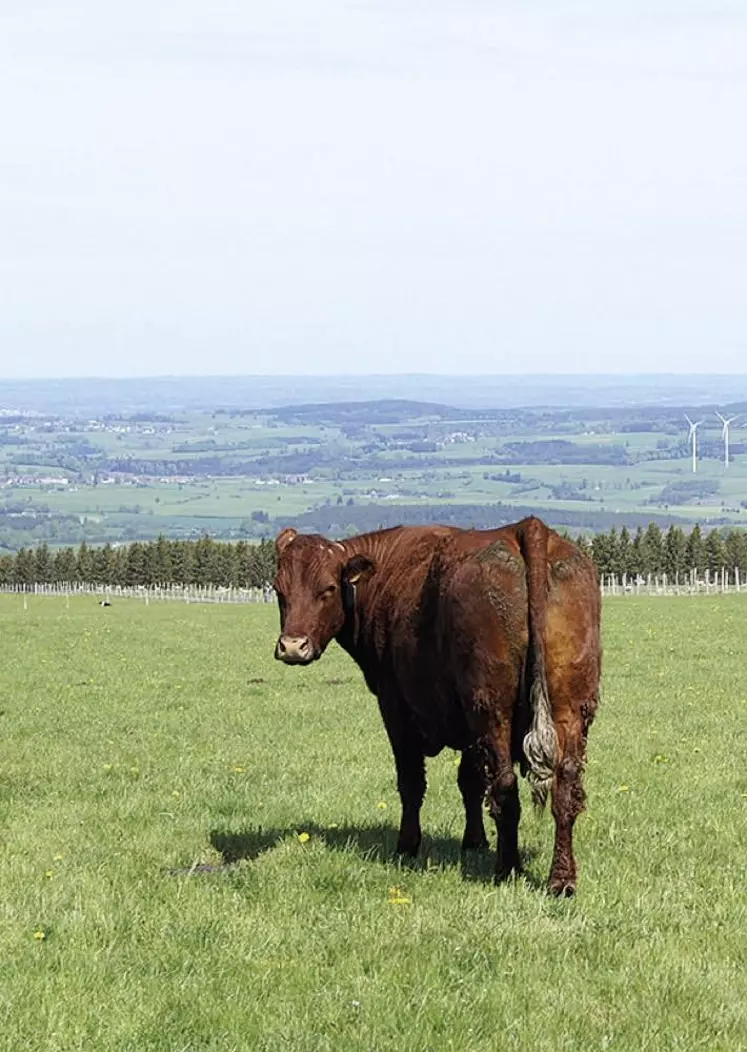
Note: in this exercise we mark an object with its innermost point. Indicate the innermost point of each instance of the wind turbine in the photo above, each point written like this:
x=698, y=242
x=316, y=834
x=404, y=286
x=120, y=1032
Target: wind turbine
x=692, y=437
x=725, y=436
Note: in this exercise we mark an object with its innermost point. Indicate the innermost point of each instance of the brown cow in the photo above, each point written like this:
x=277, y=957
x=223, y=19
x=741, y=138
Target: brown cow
x=483, y=641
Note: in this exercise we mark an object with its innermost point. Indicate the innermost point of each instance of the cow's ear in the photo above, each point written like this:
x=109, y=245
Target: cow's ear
x=358, y=568
x=284, y=538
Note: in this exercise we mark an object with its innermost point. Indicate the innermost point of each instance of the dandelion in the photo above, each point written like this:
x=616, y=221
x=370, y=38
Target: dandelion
x=661, y=759
x=397, y=897
x=49, y=874
x=303, y=837
x=40, y=935
x=238, y=769
x=623, y=788
x=382, y=805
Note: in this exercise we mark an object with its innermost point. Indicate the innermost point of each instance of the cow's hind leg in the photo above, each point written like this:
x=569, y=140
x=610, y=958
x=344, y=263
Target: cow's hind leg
x=409, y=760
x=503, y=801
x=568, y=799
x=472, y=785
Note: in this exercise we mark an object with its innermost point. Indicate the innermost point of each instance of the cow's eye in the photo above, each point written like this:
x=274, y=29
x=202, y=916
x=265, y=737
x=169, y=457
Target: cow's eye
x=328, y=591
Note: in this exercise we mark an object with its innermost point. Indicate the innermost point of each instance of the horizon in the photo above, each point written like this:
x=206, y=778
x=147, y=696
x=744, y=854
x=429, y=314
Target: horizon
x=415, y=374
x=96, y=395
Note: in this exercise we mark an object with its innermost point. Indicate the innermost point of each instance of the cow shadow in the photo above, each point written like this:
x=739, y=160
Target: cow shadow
x=373, y=843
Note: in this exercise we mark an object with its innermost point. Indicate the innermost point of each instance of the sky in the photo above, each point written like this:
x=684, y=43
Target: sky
x=445, y=186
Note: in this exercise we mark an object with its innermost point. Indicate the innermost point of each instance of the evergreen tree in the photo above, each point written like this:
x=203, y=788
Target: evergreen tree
x=43, y=565
x=85, y=563
x=7, y=568
x=65, y=566
x=205, y=561
x=652, y=549
x=600, y=553
x=636, y=555
x=675, y=550
x=162, y=561
x=735, y=552
x=24, y=570
x=266, y=563
x=181, y=562
x=135, y=570
x=695, y=554
x=624, y=553
x=227, y=565
x=105, y=565
x=715, y=553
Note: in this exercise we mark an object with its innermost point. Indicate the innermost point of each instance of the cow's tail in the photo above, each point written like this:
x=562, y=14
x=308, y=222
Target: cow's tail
x=541, y=740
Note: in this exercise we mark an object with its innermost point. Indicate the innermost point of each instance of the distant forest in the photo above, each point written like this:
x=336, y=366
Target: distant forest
x=673, y=552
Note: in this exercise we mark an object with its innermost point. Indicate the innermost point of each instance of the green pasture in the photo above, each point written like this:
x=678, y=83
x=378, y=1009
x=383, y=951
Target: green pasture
x=145, y=746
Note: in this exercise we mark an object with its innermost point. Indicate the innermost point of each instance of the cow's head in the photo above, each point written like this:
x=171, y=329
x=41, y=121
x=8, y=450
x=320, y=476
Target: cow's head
x=314, y=585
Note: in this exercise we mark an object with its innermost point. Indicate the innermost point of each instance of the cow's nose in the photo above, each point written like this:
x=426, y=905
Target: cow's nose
x=294, y=650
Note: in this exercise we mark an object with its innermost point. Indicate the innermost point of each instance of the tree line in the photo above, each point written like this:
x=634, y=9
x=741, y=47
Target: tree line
x=672, y=552
x=242, y=564
x=159, y=562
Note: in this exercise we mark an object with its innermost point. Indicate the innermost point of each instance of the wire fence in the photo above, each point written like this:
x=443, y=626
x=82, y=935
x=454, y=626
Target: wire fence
x=689, y=583
x=185, y=593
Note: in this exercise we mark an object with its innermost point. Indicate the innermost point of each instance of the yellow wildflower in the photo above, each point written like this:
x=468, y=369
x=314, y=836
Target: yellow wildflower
x=382, y=805
x=303, y=837
x=397, y=897
x=40, y=935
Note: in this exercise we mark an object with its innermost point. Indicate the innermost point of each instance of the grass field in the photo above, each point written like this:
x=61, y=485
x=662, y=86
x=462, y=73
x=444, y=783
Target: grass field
x=140, y=740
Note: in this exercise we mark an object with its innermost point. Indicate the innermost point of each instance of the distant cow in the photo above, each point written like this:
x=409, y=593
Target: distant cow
x=483, y=641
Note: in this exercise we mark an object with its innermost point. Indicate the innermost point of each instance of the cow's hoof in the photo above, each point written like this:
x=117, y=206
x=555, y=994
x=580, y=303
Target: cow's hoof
x=505, y=873
x=475, y=843
x=407, y=850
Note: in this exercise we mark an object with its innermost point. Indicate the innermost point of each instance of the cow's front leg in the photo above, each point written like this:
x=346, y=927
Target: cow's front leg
x=472, y=784
x=409, y=760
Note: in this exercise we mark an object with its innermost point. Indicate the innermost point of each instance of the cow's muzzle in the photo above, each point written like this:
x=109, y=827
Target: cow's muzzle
x=295, y=650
